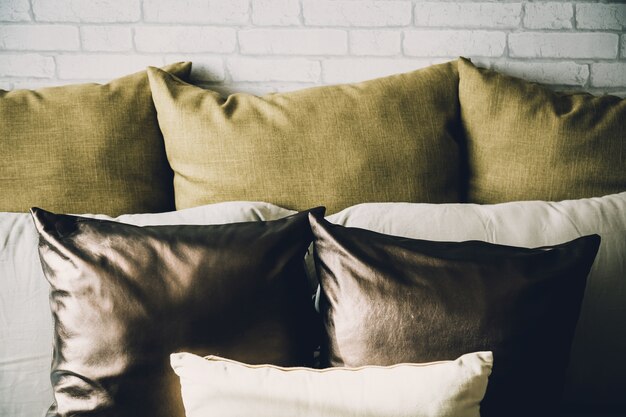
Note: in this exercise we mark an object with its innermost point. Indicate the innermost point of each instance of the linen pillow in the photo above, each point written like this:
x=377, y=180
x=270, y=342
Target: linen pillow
x=526, y=142
x=388, y=139
x=214, y=386
x=85, y=148
x=26, y=328
x=595, y=379
x=123, y=297
x=388, y=299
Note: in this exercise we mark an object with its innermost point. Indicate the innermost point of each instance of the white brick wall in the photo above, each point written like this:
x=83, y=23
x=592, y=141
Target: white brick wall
x=356, y=13
x=86, y=11
x=293, y=42
x=608, y=74
x=277, y=45
x=549, y=15
x=221, y=12
x=97, y=67
x=563, y=45
x=276, y=12
x=26, y=65
x=468, y=15
x=14, y=11
x=425, y=43
x=106, y=38
x=39, y=38
x=601, y=16
x=218, y=40
x=270, y=69
x=375, y=42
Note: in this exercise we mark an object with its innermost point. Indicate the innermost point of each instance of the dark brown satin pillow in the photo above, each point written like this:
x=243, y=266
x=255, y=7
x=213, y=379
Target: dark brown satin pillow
x=388, y=300
x=124, y=297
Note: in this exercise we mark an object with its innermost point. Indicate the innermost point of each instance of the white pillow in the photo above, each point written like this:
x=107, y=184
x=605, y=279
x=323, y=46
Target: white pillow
x=214, y=386
x=597, y=366
x=26, y=328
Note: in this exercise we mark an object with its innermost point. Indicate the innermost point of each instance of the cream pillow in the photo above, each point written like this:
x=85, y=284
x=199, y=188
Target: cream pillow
x=595, y=379
x=214, y=386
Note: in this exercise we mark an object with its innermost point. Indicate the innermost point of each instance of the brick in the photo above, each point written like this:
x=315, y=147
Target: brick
x=204, y=68
x=468, y=15
x=356, y=13
x=106, y=38
x=38, y=83
x=14, y=11
x=26, y=65
x=427, y=43
x=561, y=73
x=600, y=16
x=294, y=41
x=611, y=74
x=563, y=45
x=87, y=11
x=221, y=12
x=39, y=38
x=265, y=70
x=360, y=69
x=102, y=66
x=623, y=54
x=185, y=39
x=550, y=15
x=276, y=12
x=375, y=42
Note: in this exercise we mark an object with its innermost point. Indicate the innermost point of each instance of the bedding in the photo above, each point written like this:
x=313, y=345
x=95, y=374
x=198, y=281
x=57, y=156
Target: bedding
x=594, y=383
x=387, y=299
x=215, y=386
x=417, y=137
x=26, y=327
x=85, y=148
x=526, y=142
x=390, y=139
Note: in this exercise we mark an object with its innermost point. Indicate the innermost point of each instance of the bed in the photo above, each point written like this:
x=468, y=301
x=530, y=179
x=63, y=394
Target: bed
x=310, y=213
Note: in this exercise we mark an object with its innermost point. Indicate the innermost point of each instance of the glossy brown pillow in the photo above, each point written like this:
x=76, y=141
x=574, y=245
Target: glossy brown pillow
x=124, y=297
x=387, y=300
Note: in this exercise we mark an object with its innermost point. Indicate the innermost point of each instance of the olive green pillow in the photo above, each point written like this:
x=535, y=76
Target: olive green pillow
x=526, y=142
x=86, y=148
x=389, y=139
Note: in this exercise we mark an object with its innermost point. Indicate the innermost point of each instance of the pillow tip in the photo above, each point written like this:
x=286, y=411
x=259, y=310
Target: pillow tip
x=317, y=212
x=316, y=217
x=594, y=241
x=486, y=356
x=465, y=62
x=176, y=357
x=39, y=216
